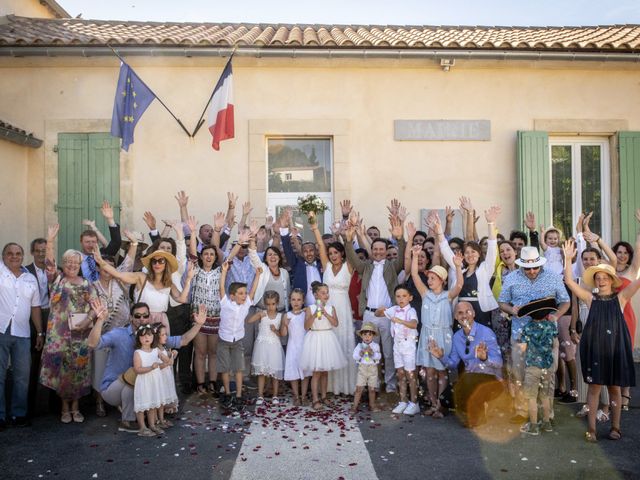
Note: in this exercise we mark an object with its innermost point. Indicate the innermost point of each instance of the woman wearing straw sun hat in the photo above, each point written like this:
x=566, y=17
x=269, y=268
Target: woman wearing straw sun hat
x=155, y=286
x=605, y=347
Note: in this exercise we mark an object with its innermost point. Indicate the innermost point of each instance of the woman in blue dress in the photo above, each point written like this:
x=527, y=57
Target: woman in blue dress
x=437, y=320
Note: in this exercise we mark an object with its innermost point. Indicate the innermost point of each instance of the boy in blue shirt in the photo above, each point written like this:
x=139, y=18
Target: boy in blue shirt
x=537, y=341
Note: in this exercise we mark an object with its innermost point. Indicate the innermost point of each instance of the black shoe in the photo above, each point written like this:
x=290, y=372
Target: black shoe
x=238, y=404
x=20, y=422
x=226, y=401
x=186, y=389
x=567, y=398
x=557, y=393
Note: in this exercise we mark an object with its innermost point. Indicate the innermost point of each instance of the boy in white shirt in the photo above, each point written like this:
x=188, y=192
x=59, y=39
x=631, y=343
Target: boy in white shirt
x=367, y=355
x=230, y=350
x=404, y=323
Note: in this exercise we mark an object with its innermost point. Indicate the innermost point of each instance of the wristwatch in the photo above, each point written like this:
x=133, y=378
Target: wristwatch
x=41, y=334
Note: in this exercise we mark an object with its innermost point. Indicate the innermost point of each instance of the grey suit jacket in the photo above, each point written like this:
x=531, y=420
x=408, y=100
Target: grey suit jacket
x=365, y=268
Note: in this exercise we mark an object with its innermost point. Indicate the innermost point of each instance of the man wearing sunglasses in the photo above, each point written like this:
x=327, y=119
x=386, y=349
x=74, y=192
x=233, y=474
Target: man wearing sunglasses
x=477, y=348
x=121, y=344
x=530, y=282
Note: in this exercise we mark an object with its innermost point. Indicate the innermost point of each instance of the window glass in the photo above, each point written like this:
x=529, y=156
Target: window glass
x=561, y=188
x=590, y=157
x=299, y=165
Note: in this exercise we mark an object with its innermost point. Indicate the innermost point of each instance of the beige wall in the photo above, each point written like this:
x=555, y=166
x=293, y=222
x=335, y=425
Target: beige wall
x=13, y=194
x=364, y=98
x=25, y=8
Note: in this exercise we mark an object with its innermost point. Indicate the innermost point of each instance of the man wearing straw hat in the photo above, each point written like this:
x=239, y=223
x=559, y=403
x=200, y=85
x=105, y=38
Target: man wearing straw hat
x=530, y=282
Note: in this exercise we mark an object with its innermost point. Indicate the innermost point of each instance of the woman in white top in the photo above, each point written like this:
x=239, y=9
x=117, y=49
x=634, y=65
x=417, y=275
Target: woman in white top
x=478, y=271
x=155, y=286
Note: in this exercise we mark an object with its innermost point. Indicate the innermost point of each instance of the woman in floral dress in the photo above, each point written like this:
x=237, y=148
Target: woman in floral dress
x=66, y=357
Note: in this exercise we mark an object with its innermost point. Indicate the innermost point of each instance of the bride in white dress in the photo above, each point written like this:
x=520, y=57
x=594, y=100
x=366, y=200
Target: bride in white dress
x=337, y=276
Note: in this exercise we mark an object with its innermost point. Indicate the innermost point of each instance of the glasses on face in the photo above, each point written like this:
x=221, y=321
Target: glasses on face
x=528, y=269
x=141, y=315
x=159, y=261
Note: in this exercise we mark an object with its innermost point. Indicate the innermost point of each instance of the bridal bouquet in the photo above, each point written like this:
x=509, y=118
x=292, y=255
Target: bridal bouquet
x=311, y=203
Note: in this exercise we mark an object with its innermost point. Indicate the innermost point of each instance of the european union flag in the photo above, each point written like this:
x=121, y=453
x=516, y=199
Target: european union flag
x=132, y=99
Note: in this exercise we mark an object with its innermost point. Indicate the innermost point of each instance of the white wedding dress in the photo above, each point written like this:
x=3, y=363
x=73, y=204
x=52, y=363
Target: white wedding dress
x=343, y=380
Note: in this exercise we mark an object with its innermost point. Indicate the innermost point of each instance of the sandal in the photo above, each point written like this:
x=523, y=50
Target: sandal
x=590, y=437
x=625, y=406
x=212, y=388
x=615, y=434
x=65, y=417
x=317, y=405
x=157, y=430
x=437, y=414
x=165, y=424
x=201, y=389
x=77, y=416
x=326, y=401
x=145, y=432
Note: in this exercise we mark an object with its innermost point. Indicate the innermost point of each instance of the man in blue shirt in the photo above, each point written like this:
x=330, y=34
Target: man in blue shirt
x=477, y=348
x=530, y=282
x=121, y=344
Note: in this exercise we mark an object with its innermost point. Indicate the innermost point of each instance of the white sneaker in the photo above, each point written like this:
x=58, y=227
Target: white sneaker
x=400, y=407
x=259, y=401
x=601, y=416
x=412, y=409
x=275, y=401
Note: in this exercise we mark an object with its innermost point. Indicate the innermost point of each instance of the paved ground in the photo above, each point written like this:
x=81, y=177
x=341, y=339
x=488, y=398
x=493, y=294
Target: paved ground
x=286, y=442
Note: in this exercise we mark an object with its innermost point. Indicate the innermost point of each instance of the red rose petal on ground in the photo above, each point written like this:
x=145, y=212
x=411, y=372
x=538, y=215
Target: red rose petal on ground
x=353, y=464
x=146, y=462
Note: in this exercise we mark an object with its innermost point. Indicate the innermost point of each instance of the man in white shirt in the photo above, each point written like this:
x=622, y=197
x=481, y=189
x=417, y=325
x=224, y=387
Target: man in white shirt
x=19, y=302
x=379, y=279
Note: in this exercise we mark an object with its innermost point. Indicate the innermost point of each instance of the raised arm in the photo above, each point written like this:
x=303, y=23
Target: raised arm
x=114, y=230
x=50, y=258
x=415, y=275
x=491, y=216
x=449, y=215
x=606, y=249
x=246, y=211
x=224, y=269
x=397, y=232
x=254, y=285
x=192, y=224
x=411, y=232
x=231, y=208
x=182, y=296
x=322, y=250
x=467, y=207
x=150, y=220
x=455, y=290
x=352, y=257
x=199, y=319
x=569, y=250
x=129, y=278
x=183, y=201
x=91, y=225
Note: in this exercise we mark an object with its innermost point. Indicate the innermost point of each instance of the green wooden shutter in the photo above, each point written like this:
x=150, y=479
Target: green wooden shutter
x=103, y=177
x=629, y=150
x=88, y=174
x=73, y=206
x=534, y=181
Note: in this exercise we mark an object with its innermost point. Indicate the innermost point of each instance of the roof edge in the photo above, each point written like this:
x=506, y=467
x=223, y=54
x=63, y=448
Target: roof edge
x=55, y=8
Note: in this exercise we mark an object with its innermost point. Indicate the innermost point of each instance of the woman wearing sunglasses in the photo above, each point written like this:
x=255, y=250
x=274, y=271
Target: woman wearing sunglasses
x=153, y=287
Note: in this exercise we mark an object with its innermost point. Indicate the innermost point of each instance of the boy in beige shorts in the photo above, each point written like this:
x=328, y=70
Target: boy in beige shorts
x=367, y=356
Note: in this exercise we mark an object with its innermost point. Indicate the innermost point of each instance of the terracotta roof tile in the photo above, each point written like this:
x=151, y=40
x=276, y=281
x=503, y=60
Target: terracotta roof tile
x=22, y=31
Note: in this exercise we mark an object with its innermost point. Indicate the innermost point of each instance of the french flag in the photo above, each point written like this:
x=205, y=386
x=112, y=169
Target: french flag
x=221, y=109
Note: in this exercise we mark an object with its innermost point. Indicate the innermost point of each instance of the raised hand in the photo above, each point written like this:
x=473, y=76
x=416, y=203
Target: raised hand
x=411, y=229
x=52, y=231
x=253, y=227
x=346, y=208
x=89, y=223
x=433, y=222
x=492, y=214
x=107, y=212
x=396, y=229
x=449, y=214
x=311, y=217
x=350, y=232
x=225, y=267
x=530, y=221
x=458, y=258
x=191, y=269
x=394, y=207
x=182, y=199
x=585, y=223
x=354, y=218
x=569, y=250
x=415, y=250
x=244, y=236
x=465, y=204
x=268, y=222
x=232, y=198
x=580, y=223
x=246, y=209
x=591, y=237
x=98, y=307
x=129, y=235
x=402, y=213
x=150, y=220
x=219, y=220
x=192, y=223
x=97, y=256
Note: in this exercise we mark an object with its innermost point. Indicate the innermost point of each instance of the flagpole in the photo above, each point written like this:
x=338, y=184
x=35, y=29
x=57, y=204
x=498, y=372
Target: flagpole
x=157, y=97
x=201, y=119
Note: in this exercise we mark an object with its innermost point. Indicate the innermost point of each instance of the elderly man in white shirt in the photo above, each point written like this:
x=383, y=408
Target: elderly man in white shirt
x=19, y=302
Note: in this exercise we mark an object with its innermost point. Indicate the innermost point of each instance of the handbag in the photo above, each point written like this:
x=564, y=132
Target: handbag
x=76, y=319
x=129, y=377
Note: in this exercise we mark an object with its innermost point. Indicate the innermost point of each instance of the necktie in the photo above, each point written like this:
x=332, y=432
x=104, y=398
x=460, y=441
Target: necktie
x=91, y=265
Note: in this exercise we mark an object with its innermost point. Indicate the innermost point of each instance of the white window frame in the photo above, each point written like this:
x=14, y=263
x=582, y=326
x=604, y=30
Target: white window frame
x=576, y=180
x=276, y=199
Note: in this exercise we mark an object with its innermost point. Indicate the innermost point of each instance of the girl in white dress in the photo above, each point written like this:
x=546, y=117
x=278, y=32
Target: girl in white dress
x=321, y=351
x=337, y=275
x=148, y=393
x=268, y=355
x=293, y=325
x=168, y=379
